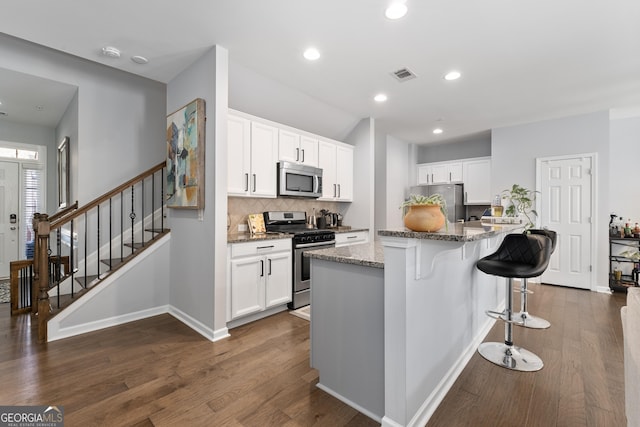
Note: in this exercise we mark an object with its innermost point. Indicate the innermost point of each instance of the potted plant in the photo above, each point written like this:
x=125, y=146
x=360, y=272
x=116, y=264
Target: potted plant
x=425, y=213
x=521, y=202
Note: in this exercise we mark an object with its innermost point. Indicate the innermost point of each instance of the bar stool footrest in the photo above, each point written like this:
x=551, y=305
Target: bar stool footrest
x=501, y=315
x=510, y=357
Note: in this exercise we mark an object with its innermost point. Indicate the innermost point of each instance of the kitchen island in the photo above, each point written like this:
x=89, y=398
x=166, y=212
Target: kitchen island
x=394, y=322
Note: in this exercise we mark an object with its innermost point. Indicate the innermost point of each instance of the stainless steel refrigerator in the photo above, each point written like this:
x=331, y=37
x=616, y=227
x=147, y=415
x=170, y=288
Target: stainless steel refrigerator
x=453, y=195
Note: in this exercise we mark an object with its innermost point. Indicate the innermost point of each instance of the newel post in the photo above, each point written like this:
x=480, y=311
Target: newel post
x=41, y=262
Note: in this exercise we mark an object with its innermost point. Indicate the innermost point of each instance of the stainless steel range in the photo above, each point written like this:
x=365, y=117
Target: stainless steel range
x=304, y=239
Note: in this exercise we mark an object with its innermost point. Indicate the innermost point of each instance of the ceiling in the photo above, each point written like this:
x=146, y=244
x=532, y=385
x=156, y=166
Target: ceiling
x=521, y=61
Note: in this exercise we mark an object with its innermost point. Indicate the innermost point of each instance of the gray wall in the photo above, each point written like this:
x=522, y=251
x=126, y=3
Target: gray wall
x=68, y=126
x=255, y=94
x=121, y=117
x=476, y=147
x=360, y=213
x=398, y=161
x=515, y=149
x=624, y=170
x=194, y=274
x=36, y=135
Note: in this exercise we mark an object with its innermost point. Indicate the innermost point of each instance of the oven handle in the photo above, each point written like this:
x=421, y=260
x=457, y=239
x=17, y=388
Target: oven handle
x=316, y=245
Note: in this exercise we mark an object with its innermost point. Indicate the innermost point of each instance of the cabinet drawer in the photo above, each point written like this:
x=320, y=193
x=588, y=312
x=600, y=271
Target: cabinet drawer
x=261, y=247
x=345, y=239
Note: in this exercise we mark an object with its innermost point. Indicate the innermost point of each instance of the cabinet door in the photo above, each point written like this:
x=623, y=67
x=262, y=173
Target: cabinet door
x=344, y=173
x=309, y=151
x=424, y=174
x=289, y=146
x=327, y=162
x=247, y=286
x=264, y=155
x=440, y=173
x=477, y=182
x=456, y=172
x=278, y=283
x=238, y=155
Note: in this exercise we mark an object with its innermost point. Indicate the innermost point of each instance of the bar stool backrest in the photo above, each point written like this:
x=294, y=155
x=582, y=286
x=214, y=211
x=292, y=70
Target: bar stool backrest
x=549, y=233
x=519, y=255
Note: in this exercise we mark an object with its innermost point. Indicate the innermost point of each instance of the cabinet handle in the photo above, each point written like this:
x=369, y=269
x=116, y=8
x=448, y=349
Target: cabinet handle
x=261, y=268
x=246, y=182
x=303, y=155
x=269, y=266
x=335, y=191
x=449, y=176
x=297, y=154
x=265, y=247
x=254, y=182
x=339, y=192
x=352, y=237
x=465, y=197
x=432, y=178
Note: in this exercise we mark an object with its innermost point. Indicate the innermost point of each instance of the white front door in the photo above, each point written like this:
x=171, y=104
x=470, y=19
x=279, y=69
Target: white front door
x=9, y=226
x=565, y=206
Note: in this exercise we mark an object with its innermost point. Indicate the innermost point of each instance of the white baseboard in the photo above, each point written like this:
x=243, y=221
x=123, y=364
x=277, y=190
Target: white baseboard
x=349, y=402
x=55, y=333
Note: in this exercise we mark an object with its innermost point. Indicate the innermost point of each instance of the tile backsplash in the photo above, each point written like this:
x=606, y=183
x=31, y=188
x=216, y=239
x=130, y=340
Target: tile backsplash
x=239, y=207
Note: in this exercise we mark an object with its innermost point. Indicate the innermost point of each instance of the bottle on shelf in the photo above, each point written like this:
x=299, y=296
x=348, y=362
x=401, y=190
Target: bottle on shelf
x=496, y=206
x=636, y=231
x=627, y=229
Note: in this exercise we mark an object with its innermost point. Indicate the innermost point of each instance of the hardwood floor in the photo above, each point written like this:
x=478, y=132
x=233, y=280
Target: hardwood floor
x=158, y=372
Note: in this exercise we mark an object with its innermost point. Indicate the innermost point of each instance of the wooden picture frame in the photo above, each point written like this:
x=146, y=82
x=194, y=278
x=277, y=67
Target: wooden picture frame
x=64, y=187
x=185, y=156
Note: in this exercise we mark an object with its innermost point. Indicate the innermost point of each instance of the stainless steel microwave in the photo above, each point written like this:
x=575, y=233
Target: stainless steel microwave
x=296, y=180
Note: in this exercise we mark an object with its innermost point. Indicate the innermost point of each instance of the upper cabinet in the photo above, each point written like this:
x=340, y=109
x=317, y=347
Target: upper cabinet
x=252, y=156
x=255, y=146
x=336, y=162
x=439, y=173
x=293, y=147
x=477, y=181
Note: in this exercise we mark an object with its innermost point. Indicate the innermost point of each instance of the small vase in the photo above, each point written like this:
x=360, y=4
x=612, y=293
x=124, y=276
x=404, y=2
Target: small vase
x=424, y=218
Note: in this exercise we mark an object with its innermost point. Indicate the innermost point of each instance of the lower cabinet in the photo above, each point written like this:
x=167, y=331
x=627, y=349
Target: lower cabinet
x=351, y=238
x=259, y=276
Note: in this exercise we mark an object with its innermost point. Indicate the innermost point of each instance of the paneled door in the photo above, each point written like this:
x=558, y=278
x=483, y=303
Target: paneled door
x=9, y=226
x=565, y=206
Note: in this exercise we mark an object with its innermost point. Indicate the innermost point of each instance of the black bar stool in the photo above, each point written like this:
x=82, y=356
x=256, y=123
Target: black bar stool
x=523, y=317
x=519, y=256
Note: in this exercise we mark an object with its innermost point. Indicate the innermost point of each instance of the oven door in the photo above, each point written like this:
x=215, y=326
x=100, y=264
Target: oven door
x=302, y=264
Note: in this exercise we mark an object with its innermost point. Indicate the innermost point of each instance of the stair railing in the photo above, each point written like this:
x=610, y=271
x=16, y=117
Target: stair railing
x=80, y=246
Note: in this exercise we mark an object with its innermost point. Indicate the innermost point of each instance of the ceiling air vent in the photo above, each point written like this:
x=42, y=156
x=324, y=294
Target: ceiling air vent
x=404, y=74
x=2, y=113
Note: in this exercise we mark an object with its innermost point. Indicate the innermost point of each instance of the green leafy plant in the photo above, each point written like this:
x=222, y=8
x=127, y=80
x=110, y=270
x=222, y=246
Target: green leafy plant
x=434, y=199
x=521, y=203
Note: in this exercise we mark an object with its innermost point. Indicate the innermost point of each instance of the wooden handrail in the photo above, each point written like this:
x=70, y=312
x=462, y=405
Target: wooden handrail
x=60, y=222
x=56, y=216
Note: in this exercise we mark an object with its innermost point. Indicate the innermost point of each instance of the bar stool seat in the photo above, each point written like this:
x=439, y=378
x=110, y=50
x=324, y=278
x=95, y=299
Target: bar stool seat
x=523, y=317
x=519, y=256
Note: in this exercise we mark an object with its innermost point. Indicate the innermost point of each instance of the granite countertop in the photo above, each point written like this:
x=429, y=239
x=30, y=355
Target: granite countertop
x=458, y=232
x=365, y=254
x=248, y=237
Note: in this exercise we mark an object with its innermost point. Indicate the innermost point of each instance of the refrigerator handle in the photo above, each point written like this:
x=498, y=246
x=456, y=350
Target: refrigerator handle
x=465, y=197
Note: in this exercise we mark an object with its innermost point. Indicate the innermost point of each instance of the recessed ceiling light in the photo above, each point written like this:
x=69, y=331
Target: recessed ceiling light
x=139, y=59
x=111, y=52
x=452, y=75
x=437, y=131
x=312, y=54
x=396, y=10
x=381, y=97
x=39, y=107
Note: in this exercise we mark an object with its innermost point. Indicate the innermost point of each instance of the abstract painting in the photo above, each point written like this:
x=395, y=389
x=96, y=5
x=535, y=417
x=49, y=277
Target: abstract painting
x=185, y=156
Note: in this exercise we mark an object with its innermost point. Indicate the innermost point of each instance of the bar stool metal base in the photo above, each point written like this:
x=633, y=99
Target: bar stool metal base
x=510, y=357
x=528, y=321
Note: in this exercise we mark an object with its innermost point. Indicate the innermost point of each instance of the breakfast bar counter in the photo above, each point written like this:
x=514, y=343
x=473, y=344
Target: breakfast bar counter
x=394, y=322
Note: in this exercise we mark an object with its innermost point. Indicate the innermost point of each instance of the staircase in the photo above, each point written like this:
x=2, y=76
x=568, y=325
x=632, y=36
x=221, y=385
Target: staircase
x=80, y=247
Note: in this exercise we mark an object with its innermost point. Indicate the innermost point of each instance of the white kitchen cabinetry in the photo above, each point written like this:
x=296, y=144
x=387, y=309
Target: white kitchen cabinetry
x=351, y=238
x=293, y=147
x=259, y=276
x=440, y=173
x=477, y=181
x=336, y=162
x=252, y=156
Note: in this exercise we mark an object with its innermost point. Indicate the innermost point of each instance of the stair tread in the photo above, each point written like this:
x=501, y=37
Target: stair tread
x=113, y=262
x=87, y=280
x=156, y=230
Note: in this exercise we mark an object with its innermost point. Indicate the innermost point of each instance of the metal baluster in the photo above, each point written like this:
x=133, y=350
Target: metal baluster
x=110, y=233
x=85, y=250
x=142, y=208
x=72, y=257
x=98, y=248
x=121, y=226
x=132, y=215
x=162, y=199
x=153, y=203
